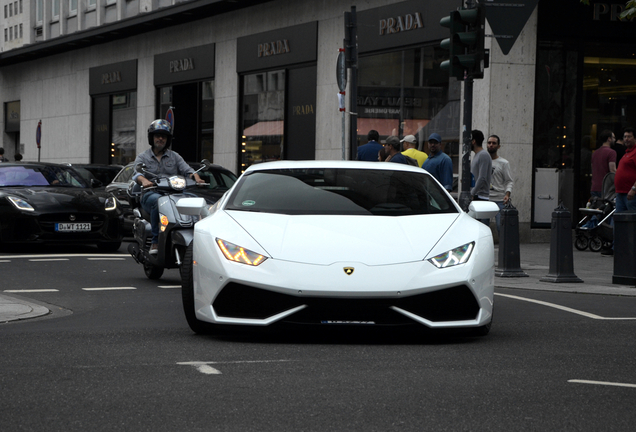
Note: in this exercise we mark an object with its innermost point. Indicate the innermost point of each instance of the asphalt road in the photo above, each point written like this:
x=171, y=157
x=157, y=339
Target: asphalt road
x=116, y=354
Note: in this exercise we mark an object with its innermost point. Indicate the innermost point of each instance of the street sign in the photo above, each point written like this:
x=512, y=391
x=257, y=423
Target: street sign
x=38, y=134
x=507, y=18
x=170, y=118
x=341, y=71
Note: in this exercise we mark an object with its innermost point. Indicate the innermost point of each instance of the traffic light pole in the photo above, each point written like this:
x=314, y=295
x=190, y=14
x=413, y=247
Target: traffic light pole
x=464, y=196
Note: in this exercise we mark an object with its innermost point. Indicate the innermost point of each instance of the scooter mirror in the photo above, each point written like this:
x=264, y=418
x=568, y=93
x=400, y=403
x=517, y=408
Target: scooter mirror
x=206, y=163
x=140, y=168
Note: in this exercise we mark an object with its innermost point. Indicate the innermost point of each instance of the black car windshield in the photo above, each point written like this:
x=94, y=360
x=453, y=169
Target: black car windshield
x=40, y=176
x=340, y=191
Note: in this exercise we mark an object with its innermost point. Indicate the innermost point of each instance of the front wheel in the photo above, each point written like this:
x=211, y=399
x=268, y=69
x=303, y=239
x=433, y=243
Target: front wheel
x=596, y=244
x=152, y=271
x=187, y=295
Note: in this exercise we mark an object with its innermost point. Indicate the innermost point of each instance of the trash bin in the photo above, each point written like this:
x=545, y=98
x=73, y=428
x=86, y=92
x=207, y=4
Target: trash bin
x=624, y=248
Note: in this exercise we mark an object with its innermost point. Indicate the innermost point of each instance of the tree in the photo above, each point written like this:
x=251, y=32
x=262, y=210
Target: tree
x=628, y=13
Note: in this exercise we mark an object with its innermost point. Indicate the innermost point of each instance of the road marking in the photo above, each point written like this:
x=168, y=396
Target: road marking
x=66, y=256
x=564, y=308
x=169, y=286
x=109, y=288
x=1, y=261
x=602, y=383
x=48, y=259
x=31, y=290
x=205, y=368
x=107, y=259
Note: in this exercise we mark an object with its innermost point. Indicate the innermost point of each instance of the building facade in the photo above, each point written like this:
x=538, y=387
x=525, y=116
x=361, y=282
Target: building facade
x=252, y=81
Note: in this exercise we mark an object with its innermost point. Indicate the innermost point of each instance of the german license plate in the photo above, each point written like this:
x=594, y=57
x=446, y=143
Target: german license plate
x=72, y=227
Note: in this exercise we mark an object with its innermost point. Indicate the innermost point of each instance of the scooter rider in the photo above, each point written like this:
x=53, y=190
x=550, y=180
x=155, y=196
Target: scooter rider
x=162, y=161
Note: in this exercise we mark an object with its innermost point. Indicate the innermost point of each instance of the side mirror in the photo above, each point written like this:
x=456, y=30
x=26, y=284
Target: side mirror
x=482, y=209
x=206, y=163
x=96, y=183
x=193, y=206
x=140, y=168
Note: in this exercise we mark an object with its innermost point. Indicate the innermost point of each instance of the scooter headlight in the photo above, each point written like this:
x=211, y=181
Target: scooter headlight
x=177, y=182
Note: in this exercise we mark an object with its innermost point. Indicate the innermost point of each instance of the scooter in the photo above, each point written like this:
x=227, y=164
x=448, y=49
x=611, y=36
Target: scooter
x=176, y=230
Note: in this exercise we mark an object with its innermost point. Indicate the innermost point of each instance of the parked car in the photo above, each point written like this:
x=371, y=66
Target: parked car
x=338, y=243
x=45, y=202
x=103, y=173
x=220, y=180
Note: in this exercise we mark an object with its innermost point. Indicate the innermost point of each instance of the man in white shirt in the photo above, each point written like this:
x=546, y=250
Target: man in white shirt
x=501, y=181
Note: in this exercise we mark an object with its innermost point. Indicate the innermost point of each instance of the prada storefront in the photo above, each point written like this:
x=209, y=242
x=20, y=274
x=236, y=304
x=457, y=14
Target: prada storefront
x=585, y=84
x=185, y=85
x=113, y=90
x=401, y=88
x=278, y=95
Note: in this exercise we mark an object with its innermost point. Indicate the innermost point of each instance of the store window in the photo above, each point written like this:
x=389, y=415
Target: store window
x=124, y=129
x=263, y=118
x=405, y=93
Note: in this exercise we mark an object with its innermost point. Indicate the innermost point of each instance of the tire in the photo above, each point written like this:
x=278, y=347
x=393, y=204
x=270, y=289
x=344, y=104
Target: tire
x=596, y=244
x=153, y=272
x=581, y=242
x=187, y=295
x=109, y=246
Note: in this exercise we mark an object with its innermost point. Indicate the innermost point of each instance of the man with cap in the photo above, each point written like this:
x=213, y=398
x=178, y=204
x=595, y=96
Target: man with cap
x=410, y=142
x=439, y=164
x=392, y=148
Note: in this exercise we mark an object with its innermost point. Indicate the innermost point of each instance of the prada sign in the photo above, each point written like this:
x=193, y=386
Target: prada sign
x=191, y=64
x=113, y=78
x=278, y=48
x=401, y=24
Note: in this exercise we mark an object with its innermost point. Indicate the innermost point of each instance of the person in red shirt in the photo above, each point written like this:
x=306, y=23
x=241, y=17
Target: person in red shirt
x=625, y=179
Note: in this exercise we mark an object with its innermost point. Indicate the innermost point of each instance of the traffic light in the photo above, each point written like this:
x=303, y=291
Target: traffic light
x=468, y=58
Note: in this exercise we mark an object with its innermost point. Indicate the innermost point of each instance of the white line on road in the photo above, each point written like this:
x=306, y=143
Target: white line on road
x=169, y=286
x=30, y=291
x=205, y=368
x=65, y=256
x=48, y=259
x=563, y=308
x=602, y=383
x=107, y=259
x=109, y=288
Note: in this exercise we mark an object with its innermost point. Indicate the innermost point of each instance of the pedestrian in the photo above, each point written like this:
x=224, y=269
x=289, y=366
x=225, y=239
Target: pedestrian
x=2, y=158
x=501, y=182
x=625, y=179
x=18, y=157
x=161, y=161
x=410, y=143
x=481, y=169
x=369, y=151
x=392, y=148
x=439, y=164
x=603, y=162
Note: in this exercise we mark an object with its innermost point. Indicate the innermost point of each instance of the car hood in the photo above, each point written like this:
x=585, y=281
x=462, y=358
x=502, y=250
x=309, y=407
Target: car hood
x=326, y=239
x=44, y=199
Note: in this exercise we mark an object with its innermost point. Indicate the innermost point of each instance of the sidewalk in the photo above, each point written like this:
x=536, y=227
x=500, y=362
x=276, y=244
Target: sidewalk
x=594, y=269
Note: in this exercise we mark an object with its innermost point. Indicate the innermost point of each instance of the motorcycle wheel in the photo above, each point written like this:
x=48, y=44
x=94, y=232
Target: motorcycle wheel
x=581, y=242
x=152, y=272
x=187, y=295
x=596, y=244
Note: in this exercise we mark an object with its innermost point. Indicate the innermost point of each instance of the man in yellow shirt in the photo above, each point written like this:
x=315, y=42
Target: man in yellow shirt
x=410, y=142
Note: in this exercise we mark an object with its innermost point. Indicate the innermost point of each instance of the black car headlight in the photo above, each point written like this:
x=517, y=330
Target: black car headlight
x=110, y=203
x=20, y=203
x=453, y=257
x=238, y=254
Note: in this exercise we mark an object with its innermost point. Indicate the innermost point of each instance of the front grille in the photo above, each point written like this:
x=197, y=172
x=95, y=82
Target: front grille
x=242, y=301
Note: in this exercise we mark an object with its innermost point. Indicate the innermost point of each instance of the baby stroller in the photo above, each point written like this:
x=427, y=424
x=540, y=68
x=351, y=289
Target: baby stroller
x=596, y=230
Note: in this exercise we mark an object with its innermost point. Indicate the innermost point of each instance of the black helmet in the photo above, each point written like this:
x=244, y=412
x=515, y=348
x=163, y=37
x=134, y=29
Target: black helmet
x=162, y=127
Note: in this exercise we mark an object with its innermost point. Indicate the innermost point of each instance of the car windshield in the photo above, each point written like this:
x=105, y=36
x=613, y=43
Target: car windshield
x=342, y=191
x=40, y=176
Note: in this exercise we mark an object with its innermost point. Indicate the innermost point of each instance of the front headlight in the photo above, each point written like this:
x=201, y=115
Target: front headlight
x=20, y=203
x=110, y=203
x=177, y=182
x=237, y=254
x=453, y=257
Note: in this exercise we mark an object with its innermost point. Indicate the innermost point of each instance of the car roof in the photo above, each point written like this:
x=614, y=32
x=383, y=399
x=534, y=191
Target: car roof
x=322, y=164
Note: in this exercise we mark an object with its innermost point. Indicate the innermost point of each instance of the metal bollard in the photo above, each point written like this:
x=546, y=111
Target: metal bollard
x=624, y=248
x=561, y=256
x=509, y=264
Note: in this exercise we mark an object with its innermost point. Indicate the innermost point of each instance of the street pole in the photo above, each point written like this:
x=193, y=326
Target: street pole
x=464, y=196
x=353, y=84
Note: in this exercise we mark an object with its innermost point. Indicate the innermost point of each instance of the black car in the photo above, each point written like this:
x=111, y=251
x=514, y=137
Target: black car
x=103, y=173
x=220, y=179
x=52, y=203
